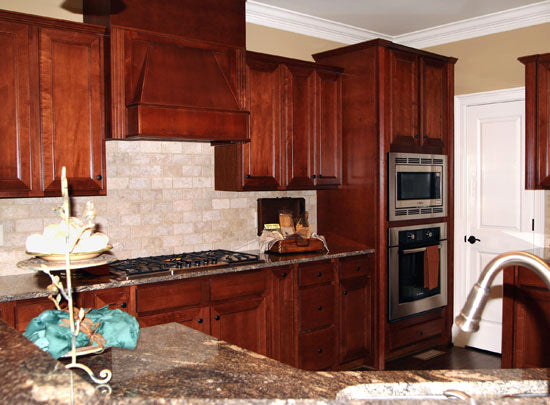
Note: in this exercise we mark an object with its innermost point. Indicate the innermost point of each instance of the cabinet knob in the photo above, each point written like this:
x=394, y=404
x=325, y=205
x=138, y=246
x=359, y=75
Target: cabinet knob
x=319, y=308
x=217, y=317
x=200, y=320
x=313, y=176
x=420, y=332
x=99, y=177
x=319, y=351
x=248, y=176
x=416, y=136
x=358, y=268
x=123, y=305
x=319, y=274
x=345, y=293
x=283, y=274
x=320, y=175
x=425, y=136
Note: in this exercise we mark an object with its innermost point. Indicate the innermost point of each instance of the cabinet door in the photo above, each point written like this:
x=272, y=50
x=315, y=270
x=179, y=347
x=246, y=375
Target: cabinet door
x=300, y=127
x=6, y=313
x=116, y=298
x=262, y=156
x=197, y=318
x=328, y=147
x=434, y=101
x=403, y=95
x=242, y=322
x=18, y=177
x=356, y=307
x=26, y=310
x=71, y=99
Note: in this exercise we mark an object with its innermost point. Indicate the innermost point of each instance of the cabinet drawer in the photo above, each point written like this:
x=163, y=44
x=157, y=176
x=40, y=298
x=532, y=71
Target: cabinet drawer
x=237, y=285
x=317, y=349
x=164, y=296
x=315, y=273
x=415, y=333
x=316, y=307
x=356, y=266
x=196, y=318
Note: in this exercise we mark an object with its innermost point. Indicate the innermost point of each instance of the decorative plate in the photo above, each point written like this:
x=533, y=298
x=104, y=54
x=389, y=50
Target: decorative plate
x=75, y=257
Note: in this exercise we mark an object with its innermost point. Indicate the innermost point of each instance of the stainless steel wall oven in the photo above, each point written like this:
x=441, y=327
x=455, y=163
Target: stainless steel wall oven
x=417, y=269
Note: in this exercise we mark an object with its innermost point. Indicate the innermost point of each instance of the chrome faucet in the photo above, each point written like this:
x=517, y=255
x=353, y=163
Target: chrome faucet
x=469, y=317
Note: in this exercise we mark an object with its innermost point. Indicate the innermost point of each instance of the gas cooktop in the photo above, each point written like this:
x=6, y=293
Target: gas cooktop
x=171, y=264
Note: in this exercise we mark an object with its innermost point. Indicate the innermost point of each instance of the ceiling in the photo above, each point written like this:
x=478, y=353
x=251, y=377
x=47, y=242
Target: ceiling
x=396, y=17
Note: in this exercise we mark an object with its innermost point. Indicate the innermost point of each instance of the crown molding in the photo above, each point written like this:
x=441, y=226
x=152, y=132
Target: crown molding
x=521, y=17
x=279, y=18
x=287, y=20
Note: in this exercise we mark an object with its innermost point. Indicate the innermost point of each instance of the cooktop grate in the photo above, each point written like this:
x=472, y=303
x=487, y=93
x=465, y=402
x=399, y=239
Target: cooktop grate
x=169, y=264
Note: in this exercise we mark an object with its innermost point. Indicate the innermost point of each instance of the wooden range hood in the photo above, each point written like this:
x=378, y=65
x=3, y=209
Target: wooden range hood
x=176, y=68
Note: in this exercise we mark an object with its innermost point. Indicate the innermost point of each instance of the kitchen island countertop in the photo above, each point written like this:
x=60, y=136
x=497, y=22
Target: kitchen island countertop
x=176, y=364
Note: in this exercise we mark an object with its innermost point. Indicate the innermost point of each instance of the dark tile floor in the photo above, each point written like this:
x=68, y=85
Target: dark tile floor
x=453, y=358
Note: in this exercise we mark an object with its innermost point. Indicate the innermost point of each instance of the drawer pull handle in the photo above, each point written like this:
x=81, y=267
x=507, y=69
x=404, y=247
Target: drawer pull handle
x=217, y=317
x=283, y=275
x=319, y=274
x=99, y=177
x=248, y=176
x=345, y=293
x=313, y=176
x=319, y=308
x=123, y=305
x=319, y=351
x=200, y=320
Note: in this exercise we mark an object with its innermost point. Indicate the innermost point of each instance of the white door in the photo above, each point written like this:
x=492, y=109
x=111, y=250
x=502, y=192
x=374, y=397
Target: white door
x=498, y=211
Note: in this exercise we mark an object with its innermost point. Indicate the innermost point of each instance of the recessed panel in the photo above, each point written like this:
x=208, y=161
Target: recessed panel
x=500, y=173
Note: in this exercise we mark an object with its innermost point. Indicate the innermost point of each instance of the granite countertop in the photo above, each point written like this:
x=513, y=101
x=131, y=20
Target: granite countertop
x=33, y=285
x=176, y=364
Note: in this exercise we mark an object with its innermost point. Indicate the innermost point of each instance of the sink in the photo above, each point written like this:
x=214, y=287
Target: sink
x=445, y=390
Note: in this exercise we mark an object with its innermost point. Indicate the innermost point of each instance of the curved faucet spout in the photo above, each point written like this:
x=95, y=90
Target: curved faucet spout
x=470, y=316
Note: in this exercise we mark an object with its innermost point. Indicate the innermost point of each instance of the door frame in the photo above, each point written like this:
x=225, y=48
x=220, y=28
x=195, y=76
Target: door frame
x=461, y=104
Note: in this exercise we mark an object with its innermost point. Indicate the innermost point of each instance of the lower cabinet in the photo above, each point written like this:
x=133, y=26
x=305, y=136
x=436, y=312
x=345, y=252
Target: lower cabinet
x=525, y=320
x=356, y=301
x=315, y=315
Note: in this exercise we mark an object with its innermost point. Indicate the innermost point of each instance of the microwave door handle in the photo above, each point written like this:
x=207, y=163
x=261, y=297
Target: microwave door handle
x=422, y=249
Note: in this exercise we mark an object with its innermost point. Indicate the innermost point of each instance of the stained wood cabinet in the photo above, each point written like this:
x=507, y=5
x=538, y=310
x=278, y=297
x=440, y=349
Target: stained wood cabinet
x=116, y=298
x=526, y=320
x=356, y=303
x=52, y=81
x=295, y=128
x=537, y=121
x=418, y=103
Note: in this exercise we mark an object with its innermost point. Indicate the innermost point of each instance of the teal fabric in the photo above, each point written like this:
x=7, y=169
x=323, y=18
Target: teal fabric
x=118, y=328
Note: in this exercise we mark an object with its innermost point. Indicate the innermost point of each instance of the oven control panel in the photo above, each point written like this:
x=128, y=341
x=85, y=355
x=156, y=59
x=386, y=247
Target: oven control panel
x=420, y=236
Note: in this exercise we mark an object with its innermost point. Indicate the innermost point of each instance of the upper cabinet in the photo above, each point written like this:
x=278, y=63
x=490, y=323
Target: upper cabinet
x=295, y=128
x=177, y=68
x=51, y=76
x=537, y=121
x=418, y=102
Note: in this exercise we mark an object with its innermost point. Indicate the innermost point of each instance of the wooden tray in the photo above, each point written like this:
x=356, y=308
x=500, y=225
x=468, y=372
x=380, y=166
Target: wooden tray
x=297, y=246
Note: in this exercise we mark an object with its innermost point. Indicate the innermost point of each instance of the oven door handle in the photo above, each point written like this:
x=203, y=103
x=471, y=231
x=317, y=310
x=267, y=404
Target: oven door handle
x=422, y=249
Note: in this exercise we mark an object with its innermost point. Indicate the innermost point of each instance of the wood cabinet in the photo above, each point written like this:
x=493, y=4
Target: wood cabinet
x=116, y=298
x=537, y=121
x=526, y=320
x=394, y=99
x=418, y=103
x=356, y=303
x=22, y=312
x=295, y=128
x=53, y=98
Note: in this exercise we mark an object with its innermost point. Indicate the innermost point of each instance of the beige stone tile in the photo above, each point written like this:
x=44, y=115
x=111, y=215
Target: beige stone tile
x=162, y=183
x=128, y=146
x=220, y=203
x=150, y=147
x=183, y=182
x=171, y=147
x=191, y=147
x=131, y=219
x=183, y=228
x=192, y=239
x=29, y=225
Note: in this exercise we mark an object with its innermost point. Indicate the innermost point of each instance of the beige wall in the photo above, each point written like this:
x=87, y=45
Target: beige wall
x=284, y=43
x=47, y=8
x=490, y=62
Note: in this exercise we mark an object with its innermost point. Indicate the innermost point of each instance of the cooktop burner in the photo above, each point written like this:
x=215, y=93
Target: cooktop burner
x=169, y=264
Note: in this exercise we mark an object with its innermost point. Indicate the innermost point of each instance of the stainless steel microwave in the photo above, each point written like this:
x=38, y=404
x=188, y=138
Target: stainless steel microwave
x=417, y=185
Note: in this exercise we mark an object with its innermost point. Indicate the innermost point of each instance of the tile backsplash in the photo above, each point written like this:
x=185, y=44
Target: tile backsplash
x=160, y=200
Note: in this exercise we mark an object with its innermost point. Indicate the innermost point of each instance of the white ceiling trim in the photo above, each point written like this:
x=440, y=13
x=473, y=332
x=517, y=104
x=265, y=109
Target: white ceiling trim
x=287, y=20
x=526, y=16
